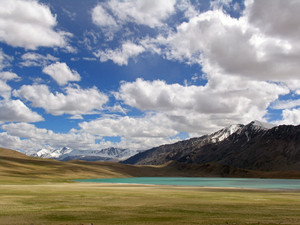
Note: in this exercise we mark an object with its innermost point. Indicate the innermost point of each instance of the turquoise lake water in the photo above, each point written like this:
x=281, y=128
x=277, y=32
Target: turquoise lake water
x=205, y=182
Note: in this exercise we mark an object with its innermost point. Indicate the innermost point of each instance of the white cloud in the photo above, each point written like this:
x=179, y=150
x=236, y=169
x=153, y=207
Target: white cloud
x=286, y=104
x=108, y=24
x=148, y=126
x=75, y=101
x=76, y=117
x=221, y=102
x=14, y=142
x=61, y=73
x=118, y=108
x=247, y=47
x=25, y=130
x=29, y=24
x=16, y=111
x=37, y=138
x=121, y=55
x=112, y=15
x=289, y=116
x=146, y=12
x=8, y=76
x=220, y=4
x=188, y=8
x=5, y=89
x=228, y=94
x=34, y=138
x=70, y=49
x=144, y=143
x=35, y=59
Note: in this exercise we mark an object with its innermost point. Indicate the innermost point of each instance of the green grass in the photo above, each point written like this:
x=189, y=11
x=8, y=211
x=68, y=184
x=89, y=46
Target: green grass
x=76, y=203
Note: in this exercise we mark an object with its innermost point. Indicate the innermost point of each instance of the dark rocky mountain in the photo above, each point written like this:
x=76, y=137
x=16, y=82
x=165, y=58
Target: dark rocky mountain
x=255, y=146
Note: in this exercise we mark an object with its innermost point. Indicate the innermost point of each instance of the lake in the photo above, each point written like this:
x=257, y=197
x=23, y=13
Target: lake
x=205, y=182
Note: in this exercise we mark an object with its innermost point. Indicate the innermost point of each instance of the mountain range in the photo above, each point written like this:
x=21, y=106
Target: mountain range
x=16, y=168
x=255, y=146
x=65, y=154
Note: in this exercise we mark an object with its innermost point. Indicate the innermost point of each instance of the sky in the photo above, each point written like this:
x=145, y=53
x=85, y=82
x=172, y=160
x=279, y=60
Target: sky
x=141, y=73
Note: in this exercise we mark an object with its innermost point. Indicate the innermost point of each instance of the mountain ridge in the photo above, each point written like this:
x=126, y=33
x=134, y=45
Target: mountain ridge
x=255, y=146
x=18, y=168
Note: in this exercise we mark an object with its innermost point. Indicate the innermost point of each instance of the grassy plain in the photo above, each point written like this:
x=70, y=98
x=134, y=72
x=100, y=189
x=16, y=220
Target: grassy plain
x=89, y=203
x=40, y=191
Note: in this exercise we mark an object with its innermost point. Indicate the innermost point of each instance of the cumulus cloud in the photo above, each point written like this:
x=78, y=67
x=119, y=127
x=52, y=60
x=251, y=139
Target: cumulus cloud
x=250, y=46
x=14, y=142
x=158, y=95
x=61, y=73
x=149, y=126
x=144, y=143
x=240, y=56
x=121, y=55
x=17, y=111
x=74, y=101
x=5, y=89
x=24, y=136
x=112, y=15
x=6, y=75
x=29, y=24
x=258, y=45
x=289, y=116
x=13, y=110
x=220, y=102
x=286, y=104
x=145, y=12
x=34, y=138
x=280, y=20
x=35, y=59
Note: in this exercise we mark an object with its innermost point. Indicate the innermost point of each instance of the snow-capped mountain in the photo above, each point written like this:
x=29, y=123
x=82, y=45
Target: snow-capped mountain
x=46, y=153
x=66, y=153
x=255, y=146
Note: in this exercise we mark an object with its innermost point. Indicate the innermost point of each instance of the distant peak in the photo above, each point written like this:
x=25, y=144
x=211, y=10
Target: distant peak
x=263, y=125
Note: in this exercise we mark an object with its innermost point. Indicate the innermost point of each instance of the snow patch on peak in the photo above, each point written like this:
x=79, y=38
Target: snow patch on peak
x=225, y=133
x=43, y=152
x=263, y=125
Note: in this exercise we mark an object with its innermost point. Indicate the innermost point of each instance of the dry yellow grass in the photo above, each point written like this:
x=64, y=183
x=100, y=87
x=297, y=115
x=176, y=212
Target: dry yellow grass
x=79, y=203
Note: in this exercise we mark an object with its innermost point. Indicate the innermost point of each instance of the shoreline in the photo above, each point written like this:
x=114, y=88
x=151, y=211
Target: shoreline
x=214, y=183
x=159, y=186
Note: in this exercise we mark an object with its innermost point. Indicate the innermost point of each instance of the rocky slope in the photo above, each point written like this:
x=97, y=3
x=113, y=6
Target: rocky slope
x=255, y=146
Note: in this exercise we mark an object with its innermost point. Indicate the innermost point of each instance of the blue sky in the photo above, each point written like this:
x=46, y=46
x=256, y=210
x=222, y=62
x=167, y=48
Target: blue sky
x=141, y=73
